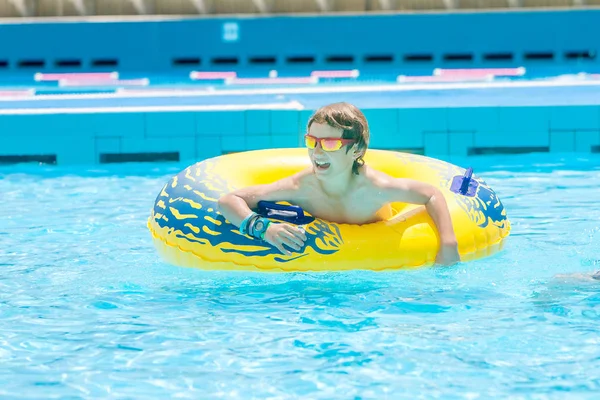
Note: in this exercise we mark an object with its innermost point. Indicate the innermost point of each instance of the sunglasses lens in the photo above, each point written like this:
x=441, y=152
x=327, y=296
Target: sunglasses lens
x=331, y=144
x=310, y=142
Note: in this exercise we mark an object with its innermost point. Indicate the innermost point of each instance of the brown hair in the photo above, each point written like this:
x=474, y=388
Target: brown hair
x=351, y=120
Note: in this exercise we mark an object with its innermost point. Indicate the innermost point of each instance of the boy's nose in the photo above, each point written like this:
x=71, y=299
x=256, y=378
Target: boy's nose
x=318, y=149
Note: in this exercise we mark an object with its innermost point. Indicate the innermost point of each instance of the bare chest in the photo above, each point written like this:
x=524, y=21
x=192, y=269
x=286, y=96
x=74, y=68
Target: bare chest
x=354, y=209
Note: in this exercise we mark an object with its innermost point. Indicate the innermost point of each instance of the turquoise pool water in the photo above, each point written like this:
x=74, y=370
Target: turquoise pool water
x=87, y=310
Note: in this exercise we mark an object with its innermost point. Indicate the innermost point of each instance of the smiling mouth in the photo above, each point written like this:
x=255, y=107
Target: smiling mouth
x=322, y=166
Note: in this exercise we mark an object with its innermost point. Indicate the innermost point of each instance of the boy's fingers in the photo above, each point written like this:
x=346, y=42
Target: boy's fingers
x=282, y=249
x=292, y=242
x=297, y=232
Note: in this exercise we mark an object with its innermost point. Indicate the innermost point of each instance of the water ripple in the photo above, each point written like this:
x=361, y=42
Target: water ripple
x=88, y=311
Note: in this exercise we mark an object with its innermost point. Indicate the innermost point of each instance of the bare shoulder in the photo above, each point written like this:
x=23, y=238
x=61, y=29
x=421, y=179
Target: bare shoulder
x=289, y=188
x=392, y=189
x=376, y=179
x=381, y=180
x=306, y=183
x=304, y=178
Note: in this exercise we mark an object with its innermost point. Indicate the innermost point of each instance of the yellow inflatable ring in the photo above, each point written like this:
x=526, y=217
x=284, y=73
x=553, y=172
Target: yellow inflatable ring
x=188, y=230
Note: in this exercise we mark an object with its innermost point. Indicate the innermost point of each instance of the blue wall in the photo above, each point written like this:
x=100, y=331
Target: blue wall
x=563, y=37
x=438, y=132
x=523, y=38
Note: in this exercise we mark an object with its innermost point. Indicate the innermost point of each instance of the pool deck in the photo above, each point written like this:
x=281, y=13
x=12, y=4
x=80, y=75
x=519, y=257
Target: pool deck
x=367, y=96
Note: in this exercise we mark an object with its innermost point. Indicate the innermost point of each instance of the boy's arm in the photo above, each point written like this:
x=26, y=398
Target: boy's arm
x=415, y=192
x=237, y=205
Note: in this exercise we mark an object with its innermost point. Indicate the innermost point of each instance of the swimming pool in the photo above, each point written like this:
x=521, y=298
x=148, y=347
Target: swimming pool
x=88, y=310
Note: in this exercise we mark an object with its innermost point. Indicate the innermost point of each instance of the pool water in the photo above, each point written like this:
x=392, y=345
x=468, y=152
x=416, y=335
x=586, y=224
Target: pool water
x=88, y=310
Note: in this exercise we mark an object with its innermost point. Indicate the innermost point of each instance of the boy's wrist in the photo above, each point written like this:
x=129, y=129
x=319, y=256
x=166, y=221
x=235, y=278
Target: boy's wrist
x=259, y=227
x=245, y=226
x=264, y=232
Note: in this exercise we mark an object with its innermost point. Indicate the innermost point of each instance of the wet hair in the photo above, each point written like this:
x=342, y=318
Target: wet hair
x=351, y=121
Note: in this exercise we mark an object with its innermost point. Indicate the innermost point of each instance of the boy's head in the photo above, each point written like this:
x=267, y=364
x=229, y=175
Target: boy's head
x=348, y=123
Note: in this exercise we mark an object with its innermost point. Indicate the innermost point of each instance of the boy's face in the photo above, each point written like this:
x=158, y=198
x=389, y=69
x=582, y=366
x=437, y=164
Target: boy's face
x=329, y=163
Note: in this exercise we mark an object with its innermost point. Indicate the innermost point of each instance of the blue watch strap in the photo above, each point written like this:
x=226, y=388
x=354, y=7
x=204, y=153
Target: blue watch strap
x=246, y=223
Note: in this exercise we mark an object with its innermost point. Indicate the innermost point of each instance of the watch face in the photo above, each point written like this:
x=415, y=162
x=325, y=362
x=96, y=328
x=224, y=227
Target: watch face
x=259, y=226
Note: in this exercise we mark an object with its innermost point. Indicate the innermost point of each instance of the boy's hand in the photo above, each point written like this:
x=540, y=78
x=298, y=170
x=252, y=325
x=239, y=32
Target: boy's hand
x=448, y=254
x=280, y=234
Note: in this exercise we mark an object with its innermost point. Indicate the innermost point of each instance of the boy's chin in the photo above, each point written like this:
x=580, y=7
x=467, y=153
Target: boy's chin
x=319, y=173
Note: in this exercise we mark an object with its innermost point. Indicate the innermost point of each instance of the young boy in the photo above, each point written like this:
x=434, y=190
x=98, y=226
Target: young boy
x=338, y=187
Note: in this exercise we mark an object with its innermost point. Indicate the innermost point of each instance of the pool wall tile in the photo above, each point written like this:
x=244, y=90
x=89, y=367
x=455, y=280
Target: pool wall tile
x=440, y=132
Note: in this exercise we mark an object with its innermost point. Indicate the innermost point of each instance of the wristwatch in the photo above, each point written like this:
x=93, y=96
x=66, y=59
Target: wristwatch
x=260, y=227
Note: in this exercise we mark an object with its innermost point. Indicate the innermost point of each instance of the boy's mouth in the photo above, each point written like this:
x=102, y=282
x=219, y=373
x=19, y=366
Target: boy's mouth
x=322, y=166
